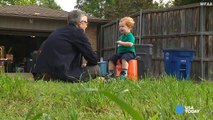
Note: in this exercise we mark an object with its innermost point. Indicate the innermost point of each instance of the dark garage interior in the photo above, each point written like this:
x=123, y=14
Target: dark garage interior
x=19, y=50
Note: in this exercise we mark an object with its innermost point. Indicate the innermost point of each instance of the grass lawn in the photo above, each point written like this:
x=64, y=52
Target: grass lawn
x=150, y=98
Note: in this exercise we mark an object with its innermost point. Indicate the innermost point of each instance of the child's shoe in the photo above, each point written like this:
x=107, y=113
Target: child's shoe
x=123, y=75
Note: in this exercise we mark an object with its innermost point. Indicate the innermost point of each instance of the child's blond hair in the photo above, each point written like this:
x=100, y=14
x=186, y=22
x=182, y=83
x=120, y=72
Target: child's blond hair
x=128, y=21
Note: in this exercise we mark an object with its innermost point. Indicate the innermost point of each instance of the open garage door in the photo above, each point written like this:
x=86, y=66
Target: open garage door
x=17, y=49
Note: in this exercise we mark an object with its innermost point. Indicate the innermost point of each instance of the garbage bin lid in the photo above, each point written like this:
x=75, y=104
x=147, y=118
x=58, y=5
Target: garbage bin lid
x=102, y=62
x=178, y=49
x=149, y=45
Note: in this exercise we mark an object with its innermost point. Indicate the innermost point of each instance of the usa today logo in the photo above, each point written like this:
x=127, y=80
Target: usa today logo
x=187, y=109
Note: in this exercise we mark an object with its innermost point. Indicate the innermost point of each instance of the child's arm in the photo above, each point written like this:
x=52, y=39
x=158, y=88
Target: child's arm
x=126, y=44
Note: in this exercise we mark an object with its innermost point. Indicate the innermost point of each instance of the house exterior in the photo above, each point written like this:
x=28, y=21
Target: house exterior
x=24, y=28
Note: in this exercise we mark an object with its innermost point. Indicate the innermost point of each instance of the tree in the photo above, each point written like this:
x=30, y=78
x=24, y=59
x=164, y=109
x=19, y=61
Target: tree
x=17, y=2
x=112, y=9
x=46, y=3
x=161, y=4
x=120, y=8
x=185, y=2
x=92, y=7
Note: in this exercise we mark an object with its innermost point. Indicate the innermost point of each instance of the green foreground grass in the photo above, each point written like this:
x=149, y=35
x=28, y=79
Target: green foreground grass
x=150, y=98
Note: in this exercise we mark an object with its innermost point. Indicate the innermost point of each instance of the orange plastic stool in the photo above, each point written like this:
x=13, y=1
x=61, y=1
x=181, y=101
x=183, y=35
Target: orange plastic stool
x=132, y=69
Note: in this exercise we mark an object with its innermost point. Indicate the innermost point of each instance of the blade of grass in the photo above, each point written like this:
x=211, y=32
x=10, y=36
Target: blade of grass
x=36, y=117
x=29, y=113
x=155, y=117
x=123, y=105
x=33, y=107
x=74, y=115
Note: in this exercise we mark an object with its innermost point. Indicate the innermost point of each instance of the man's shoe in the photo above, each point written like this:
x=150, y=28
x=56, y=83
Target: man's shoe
x=110, y=75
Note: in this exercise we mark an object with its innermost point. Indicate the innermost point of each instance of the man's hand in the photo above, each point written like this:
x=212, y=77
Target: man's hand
x=84, y=65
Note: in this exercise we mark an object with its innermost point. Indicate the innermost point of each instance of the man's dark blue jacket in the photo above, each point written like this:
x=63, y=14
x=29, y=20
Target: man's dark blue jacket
x=61, y=54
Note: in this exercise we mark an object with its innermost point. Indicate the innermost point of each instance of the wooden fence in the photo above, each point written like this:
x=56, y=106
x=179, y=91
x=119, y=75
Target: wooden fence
x=185, y=27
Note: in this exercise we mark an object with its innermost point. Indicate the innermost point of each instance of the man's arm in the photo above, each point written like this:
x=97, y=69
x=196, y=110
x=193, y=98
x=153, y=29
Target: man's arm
x=82, y=43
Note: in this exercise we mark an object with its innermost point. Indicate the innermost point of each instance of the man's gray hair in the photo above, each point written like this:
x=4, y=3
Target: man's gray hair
x=75, y=16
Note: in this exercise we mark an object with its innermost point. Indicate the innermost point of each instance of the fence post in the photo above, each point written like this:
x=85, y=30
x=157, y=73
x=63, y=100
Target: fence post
x=101, y=42
x=140, y=29
x=117, y=34
x=143, y=26
x=202, y=39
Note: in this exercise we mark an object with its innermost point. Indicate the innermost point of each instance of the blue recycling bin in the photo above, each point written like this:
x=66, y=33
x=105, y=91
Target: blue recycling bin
x=103, y=67
x=177, y=62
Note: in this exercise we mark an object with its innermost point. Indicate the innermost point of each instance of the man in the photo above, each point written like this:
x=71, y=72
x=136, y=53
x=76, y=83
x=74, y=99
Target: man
x=61, y=54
